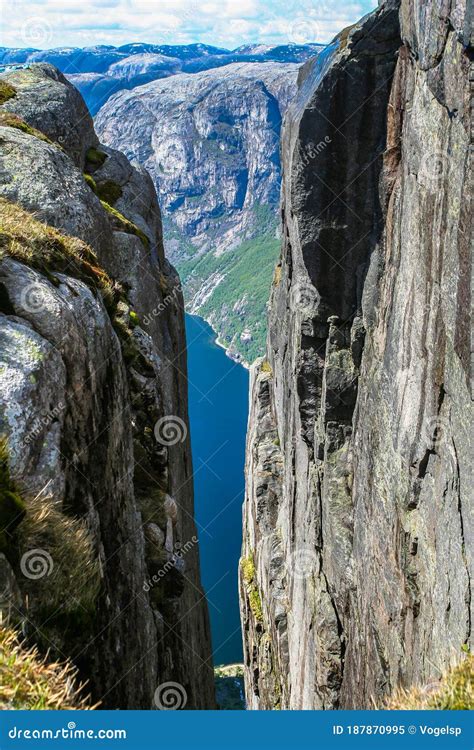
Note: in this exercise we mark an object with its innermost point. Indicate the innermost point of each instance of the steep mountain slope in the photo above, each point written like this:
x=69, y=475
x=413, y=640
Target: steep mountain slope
x=358, y=541
x=211, y=144
x=99, y=560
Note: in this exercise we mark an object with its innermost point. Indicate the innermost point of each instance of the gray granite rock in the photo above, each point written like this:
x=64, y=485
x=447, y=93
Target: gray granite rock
x=82, y=384
x=358, y=511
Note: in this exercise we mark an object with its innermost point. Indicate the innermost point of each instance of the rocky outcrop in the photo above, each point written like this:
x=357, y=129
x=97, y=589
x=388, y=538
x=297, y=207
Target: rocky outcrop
x=211, y=143
x=358, y=537
x=100, y=561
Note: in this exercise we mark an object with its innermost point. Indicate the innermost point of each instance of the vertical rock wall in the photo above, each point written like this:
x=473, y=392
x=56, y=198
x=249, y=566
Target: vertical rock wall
x=87, y=373
x=357, y=555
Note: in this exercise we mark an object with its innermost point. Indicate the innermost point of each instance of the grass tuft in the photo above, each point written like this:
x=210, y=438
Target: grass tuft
x=9, y=120
x=29, y=682
x=453, y=692
x=6, y=92
x=39, y=246
x=12, y=506
x=121, y=224
x=75, y=569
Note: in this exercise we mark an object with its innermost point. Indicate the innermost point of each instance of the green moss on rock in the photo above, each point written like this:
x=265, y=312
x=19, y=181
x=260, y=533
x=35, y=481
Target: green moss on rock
x=255, y=602
x=9, y=120
x=109, y=191
x=95, y=157
x=91, y=182
x=122, y=224
x=247, y=565
x=248, y=569
x=134, y=319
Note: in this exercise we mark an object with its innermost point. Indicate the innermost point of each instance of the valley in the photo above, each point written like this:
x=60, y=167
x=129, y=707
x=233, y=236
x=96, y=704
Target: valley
x=236, y=383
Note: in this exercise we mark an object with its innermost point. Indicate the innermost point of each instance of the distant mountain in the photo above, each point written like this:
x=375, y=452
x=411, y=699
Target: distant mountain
x=210, y=141
x=206, y=123
x=102, y=70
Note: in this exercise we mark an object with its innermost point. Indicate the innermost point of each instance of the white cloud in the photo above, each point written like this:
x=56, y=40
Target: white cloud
x=225, y=23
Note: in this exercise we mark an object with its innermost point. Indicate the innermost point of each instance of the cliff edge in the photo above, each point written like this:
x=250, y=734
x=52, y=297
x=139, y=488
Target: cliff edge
x=99, y=558
x=357, y=555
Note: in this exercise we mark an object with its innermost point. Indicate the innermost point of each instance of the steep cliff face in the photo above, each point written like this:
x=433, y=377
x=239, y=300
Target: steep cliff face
x=210, y=141
x=99, y=559
x=357, y=555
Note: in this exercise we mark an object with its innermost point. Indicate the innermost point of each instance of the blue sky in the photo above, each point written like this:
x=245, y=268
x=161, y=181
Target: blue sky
x=226, y=23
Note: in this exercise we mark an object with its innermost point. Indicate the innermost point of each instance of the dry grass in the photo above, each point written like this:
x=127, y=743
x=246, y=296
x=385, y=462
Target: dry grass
x=277, y=275
x=74, y=582
x=39, y=246
x=453, y=692
x=6, y=92
x=27, y=681
x=343, y=36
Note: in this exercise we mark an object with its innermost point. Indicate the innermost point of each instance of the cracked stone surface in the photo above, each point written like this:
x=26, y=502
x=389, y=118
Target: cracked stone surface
x=358, y=510
x=79, y=398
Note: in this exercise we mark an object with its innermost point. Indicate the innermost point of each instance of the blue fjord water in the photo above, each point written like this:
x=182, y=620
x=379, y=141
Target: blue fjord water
x=218, y=410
